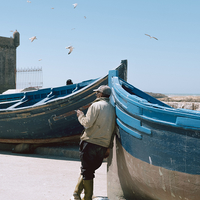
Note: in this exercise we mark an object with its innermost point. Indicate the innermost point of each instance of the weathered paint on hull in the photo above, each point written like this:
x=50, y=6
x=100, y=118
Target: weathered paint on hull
x=52, y=122
x=48, y=122
x=42, y=141
x=131, y=178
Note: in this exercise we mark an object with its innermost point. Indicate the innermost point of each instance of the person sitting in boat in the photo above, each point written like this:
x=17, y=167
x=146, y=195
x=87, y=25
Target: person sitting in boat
x=99, y=124
x=69, y=82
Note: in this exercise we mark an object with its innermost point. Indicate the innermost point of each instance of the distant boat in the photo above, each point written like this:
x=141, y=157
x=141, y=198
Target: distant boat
x=47, y=115
x=156, y=153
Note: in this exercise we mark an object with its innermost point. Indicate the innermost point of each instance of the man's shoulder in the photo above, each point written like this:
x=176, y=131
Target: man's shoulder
x=100, y=102
x=96, y=103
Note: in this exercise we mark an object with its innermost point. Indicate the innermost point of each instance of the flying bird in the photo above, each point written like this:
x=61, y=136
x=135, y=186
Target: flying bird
x=70, y=49
x=28, y=1
x=151, y=36
x=85, y=17
x=32, y=38
x=75, y=4
x=52, y=8
x=39, y=59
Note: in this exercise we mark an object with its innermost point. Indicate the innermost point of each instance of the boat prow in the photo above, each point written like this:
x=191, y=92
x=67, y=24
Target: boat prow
x=156, y=148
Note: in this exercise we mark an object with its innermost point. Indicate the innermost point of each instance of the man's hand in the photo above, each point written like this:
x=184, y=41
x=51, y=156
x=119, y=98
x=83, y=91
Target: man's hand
x=79, y=112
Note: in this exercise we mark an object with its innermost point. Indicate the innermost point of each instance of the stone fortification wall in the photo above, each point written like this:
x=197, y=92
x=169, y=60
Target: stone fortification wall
x=8, y=62
x=185, y=105
x=185, y=102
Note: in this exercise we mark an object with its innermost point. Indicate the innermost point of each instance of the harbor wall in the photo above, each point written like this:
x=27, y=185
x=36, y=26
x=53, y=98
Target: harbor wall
x=185, y=102
x=185, y=105
x=8, y=61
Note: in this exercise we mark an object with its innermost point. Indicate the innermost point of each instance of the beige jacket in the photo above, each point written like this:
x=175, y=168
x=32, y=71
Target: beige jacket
x=99, y=122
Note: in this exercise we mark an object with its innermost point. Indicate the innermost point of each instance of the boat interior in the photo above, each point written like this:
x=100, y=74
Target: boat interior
x=141, y=96
x=39, y=97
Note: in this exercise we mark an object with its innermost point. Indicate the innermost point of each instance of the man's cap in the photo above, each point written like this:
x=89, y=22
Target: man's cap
x=104, y=89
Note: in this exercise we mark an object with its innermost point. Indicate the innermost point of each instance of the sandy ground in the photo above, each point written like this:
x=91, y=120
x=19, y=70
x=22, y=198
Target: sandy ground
x=36, y=177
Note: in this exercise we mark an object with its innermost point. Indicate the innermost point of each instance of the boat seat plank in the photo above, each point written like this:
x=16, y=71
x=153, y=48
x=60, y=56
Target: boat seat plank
x=77, y=88
x=17, y=104
x=4, y=105
x=43, y=101
x=56, y=93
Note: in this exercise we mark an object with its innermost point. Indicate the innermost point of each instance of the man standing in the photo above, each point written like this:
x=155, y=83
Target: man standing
x=99, y=123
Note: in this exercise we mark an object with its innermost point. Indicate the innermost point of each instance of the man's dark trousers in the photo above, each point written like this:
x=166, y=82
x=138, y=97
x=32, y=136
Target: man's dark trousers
x=91, y=156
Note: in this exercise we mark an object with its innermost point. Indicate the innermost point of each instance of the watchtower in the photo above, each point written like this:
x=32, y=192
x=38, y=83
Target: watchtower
x=8, y=48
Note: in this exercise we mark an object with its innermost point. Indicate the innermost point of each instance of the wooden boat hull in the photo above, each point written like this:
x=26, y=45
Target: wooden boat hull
x=156, y=150
x=55, y=121
x=130, y=177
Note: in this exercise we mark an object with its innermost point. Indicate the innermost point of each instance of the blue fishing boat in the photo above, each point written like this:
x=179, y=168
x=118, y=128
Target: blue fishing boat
x=156, y=153
x=47, y=115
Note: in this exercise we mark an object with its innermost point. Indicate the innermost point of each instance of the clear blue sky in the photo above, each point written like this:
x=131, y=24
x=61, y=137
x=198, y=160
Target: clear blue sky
x=112, y=31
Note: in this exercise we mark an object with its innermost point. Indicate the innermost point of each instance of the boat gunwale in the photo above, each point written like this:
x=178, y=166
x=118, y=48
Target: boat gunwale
x=119, y=91
x=55, y=101
x=152, y=106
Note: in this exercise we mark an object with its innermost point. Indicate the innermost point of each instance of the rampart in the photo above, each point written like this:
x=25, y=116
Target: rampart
x=8, y=61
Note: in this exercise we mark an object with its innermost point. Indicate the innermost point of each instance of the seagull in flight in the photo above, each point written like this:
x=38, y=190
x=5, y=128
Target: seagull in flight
x=28, y=1
x=39, y=59
x=32, y=38
x=151, y=36
x=75, y=4
x=70, y=49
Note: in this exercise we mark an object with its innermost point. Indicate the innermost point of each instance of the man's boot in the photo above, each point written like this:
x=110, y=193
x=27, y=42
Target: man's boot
x=78, y=189
x=88, y=189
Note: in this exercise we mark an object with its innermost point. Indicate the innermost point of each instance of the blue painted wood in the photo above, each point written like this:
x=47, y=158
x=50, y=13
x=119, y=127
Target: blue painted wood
x=175, y=133
x=39, y=97
x=121, y=100
x=162, y=165
x=185, y=121
x=128, y=130
x=176, y=152
x=154, y=112
x=142, y=96
x=112, y=73
x=47, y=115
x=131, y=121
